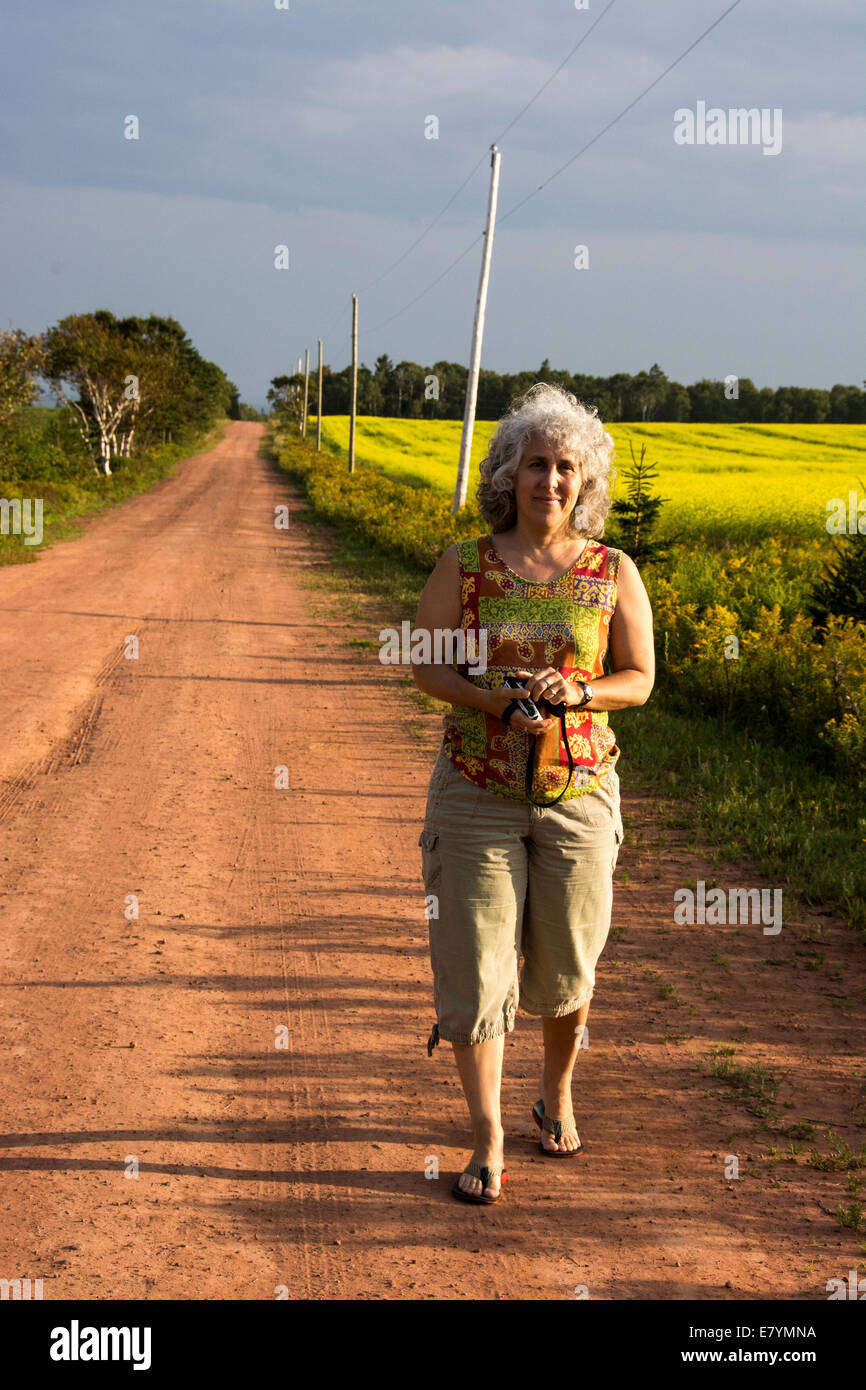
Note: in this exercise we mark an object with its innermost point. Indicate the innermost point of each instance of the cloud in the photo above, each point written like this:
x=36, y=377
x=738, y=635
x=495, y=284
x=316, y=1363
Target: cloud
x=307, y=127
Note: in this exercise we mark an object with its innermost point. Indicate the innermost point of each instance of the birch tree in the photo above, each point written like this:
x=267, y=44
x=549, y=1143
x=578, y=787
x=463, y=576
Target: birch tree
x=86, y=351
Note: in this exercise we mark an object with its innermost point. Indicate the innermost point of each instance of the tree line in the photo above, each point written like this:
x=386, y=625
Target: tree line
x=411, y=391
x=127, y=383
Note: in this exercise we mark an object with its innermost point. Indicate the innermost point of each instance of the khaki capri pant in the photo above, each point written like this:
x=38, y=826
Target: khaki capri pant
x=506, y=879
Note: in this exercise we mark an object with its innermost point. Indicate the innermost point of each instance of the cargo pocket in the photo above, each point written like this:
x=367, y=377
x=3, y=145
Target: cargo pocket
x=431, y=859
x=618, y=837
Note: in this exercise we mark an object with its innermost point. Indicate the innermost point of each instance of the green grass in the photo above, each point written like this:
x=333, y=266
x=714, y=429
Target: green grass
x=801, y=1129
x=803, y=829
x=753, y=1086
x=852, y=1217
x=841, y=1158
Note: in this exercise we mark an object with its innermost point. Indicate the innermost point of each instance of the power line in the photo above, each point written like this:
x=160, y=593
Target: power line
x=415, y=243
x=565, y=60
x=563, y=167
x=522, y=112
x=622, y=113
x=445, y=272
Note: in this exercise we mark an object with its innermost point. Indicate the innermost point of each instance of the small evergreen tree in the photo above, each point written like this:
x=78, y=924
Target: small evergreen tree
x=841, y=589
x=636, y=515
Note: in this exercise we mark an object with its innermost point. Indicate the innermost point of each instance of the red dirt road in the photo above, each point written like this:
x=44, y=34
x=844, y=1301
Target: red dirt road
x=150, y=1041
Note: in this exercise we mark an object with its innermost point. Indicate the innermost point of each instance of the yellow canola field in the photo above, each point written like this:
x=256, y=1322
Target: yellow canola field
x=737, y=479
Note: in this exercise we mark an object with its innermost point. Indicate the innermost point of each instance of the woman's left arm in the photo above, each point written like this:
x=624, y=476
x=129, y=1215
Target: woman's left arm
x=632, y=649
x=632, y=655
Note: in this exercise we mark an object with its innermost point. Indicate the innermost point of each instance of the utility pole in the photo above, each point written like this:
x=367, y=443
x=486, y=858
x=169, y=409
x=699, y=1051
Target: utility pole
x=319, y=406
x=477, y=336
x=306, y=391
x=354, y=383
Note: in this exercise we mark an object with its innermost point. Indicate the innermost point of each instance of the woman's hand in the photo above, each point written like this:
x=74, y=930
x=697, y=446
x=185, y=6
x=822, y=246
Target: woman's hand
x=552, y=685
x=502, y=696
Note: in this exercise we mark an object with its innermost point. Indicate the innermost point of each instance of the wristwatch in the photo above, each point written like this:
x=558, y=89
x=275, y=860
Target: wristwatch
x=588, y=694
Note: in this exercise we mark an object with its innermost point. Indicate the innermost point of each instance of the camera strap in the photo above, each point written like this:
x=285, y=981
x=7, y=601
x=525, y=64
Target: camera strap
x=530, y=762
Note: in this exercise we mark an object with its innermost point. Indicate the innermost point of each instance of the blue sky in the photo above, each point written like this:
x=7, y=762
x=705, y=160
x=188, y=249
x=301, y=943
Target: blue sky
x=261, y=126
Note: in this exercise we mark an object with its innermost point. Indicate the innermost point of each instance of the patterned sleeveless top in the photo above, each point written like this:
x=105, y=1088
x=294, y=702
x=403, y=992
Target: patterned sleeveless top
x=562, y=623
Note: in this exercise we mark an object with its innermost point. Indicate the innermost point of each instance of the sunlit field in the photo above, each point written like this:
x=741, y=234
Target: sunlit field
x=743, y=481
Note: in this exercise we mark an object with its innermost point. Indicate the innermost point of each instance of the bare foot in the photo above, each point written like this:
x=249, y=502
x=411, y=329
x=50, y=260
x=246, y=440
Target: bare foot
x=488, y=1152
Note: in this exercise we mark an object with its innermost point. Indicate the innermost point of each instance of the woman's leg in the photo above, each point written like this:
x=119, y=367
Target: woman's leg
x=562, y=1038
x=480, y=1068
x=475, y=866
x=574, y=849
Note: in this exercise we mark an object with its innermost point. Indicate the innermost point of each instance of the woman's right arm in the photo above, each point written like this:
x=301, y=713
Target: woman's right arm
x=440, y=608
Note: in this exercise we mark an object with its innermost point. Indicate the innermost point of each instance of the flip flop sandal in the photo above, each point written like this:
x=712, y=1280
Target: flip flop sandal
x=553, y=1127
x=485, y=1174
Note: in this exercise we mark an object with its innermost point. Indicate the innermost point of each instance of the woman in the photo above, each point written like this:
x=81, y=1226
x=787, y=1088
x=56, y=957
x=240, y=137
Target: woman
x=520, y=839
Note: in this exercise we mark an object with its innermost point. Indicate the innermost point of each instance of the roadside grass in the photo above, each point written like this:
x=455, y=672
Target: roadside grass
x=853, y=1216
x=753, y=1085
x=804, y=829
x=70, y=496
x=840, y=1159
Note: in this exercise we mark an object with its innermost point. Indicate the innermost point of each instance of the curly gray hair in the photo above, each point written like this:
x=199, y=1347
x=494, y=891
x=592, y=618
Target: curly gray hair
x=566, y=424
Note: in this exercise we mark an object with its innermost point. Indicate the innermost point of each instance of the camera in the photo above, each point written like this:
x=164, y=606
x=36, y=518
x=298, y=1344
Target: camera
x=529, y=707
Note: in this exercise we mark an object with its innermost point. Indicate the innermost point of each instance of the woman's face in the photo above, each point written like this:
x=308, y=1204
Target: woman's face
x=546, y=483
